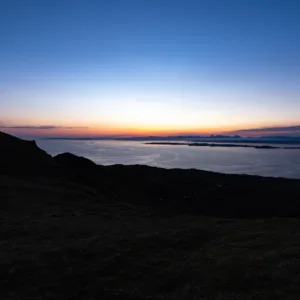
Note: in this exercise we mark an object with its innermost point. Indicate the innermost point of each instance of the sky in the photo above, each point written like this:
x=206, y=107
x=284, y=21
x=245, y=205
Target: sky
x=125, y=67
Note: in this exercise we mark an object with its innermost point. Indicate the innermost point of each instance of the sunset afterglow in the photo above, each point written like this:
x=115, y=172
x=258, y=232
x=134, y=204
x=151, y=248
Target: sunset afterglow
x=148, y=67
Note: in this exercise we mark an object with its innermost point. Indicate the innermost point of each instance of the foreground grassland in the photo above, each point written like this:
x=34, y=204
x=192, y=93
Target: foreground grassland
x=60, y=240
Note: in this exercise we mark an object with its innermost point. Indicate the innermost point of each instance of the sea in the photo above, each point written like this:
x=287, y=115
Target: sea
x=230, y=160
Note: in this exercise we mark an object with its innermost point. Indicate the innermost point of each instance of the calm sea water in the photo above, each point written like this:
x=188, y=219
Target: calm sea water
x=265, y=162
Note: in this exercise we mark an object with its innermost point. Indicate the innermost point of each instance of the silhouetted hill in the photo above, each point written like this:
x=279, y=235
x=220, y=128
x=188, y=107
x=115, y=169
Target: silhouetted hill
x=19, y=156
x=79, y=169
x=193, y=191
x=72, y=161
x=209, y=193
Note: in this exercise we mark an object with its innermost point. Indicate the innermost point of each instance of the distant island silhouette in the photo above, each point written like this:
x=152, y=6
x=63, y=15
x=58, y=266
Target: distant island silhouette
x=220, y=145
x=190, y=138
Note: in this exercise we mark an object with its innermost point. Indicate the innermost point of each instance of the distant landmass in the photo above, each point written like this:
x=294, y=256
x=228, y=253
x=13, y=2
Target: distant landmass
x=195, y=138
x=280, y=137
x=221, y=145
x=138, y=138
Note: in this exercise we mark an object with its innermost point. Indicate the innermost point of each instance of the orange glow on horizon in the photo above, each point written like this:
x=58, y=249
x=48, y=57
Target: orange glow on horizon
x=113, y=130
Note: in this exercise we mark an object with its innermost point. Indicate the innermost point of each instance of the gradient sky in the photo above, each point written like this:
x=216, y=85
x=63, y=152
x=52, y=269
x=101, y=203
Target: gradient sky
x=148, y=66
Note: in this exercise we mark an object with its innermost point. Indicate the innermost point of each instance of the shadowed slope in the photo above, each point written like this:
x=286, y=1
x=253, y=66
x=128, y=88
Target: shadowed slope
x=70, y=160
x=80, y=169
x=209, y=193
x=19, y=156
x=64, y=241
x=71, y=237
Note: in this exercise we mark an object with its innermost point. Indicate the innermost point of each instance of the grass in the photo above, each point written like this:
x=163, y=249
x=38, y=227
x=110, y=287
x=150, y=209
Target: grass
x=65, y=241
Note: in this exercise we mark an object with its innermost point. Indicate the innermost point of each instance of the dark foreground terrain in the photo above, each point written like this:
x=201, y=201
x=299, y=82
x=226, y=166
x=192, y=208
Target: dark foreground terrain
x=73, y=230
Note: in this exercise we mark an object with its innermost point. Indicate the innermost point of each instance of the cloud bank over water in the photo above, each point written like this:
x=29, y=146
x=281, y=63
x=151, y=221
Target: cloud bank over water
x=41, y=127
x=284, y=130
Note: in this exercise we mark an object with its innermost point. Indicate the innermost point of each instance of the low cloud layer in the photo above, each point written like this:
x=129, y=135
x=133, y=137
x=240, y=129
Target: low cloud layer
x=272, y=129
x=289, y=131
x=41, y=127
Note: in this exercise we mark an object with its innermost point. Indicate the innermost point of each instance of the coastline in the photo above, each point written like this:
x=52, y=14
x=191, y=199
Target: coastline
x=222, y=145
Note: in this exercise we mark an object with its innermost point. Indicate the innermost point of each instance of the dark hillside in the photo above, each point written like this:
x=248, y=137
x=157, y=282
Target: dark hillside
x=73, y=230
x=61, y=240
x=211, y=193
x=21, y=157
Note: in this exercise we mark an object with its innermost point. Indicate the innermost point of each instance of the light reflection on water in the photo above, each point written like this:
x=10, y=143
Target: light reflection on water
x=265, y=162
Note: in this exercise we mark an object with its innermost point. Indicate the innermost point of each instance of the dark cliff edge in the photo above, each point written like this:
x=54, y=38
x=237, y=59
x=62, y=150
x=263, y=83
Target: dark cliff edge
x=186, y=190
x=21, y=157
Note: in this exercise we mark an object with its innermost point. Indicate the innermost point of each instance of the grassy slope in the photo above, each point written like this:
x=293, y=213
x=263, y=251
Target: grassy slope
x=198, y=191
x=64, y=241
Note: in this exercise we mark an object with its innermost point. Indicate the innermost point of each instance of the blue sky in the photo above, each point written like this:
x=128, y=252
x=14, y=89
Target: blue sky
x=149, y=66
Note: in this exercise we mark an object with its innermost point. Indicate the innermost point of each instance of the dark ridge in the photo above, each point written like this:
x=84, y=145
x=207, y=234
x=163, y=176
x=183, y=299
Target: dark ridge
x=208, y=193
x=70, y=160
x=19, y=156
x=78, y=168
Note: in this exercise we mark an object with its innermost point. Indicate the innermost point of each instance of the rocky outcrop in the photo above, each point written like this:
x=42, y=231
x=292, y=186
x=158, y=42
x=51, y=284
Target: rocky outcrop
x=19, y=157
x=72, y=161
